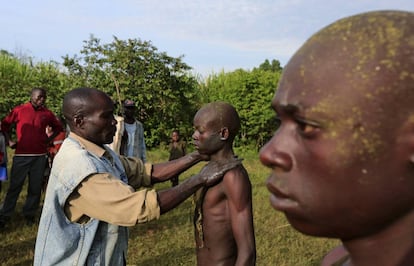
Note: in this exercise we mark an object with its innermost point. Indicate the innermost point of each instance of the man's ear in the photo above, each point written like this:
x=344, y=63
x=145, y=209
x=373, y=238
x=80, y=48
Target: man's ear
x=78, y=120
x=224, y=133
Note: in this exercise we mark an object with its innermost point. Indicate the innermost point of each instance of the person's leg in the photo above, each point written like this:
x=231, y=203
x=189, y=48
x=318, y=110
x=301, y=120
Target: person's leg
x=19, y=171
x=3, y=175
x=34, y=189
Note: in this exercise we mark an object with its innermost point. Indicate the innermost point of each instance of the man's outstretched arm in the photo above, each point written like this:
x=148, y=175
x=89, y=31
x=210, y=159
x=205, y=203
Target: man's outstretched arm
x=209, y=175
x=164, y=171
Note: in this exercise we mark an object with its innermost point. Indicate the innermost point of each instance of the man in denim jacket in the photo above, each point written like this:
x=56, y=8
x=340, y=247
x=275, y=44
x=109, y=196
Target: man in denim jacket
x=91, y=197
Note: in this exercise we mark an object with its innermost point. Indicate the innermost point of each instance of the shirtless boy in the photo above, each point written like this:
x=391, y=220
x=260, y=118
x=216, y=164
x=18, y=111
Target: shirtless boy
x=223, y=217
x=342, y=159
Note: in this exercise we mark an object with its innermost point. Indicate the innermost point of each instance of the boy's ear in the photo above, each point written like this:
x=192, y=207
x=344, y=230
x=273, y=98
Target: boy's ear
x=224, y=133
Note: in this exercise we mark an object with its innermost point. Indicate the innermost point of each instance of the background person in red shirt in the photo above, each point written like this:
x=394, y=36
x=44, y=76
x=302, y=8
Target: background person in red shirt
x=30, y=120
x=52, y=149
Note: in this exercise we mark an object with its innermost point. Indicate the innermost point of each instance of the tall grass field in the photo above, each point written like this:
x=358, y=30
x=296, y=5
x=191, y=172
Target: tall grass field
x=170, y=240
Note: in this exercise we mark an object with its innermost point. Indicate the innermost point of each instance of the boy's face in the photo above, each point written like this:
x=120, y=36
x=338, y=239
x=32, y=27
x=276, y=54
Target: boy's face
x=339, y=168
x=175, y=136
x=206, y=136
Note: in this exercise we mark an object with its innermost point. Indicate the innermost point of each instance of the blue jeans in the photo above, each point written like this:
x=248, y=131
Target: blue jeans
x=33, y=167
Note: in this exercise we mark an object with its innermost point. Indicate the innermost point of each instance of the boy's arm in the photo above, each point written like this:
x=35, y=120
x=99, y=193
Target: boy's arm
x=239, y=195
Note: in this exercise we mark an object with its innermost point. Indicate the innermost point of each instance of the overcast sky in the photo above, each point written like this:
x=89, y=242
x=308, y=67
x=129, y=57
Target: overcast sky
x=212, y=35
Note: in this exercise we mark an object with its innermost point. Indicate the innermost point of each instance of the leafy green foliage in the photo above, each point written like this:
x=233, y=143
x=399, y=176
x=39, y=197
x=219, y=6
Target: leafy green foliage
x=161, y=85
x=273, y=67
x=250, y=92
x=19, y=75
x=166, y=94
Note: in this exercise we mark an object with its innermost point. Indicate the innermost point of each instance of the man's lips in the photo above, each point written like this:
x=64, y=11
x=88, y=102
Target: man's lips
x=280, y=200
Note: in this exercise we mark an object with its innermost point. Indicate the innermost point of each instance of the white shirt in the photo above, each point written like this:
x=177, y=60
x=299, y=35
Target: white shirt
x=130, y=129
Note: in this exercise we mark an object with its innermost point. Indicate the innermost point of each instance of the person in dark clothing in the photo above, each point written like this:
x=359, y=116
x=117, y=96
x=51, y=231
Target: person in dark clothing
x=177, y=149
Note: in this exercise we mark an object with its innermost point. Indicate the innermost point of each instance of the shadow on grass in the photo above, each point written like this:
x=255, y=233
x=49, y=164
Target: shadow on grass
x=176, y=257
x=16, y=253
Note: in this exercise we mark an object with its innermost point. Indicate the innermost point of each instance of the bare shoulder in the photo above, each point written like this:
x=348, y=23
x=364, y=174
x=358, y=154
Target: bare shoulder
x=237, y=174
x=336, y=257
x=237, y=186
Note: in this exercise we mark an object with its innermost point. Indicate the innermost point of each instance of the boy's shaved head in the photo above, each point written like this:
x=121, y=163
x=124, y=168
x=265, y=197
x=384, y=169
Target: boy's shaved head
x=365, y=58
x=342, y=159
x=355, y=69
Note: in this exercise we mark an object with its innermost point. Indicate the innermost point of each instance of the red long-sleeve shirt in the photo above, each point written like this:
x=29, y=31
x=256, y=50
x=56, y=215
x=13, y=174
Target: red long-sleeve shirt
x=30, y=128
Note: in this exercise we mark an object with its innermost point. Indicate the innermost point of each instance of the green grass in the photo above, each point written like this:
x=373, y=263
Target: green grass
x=170, y=240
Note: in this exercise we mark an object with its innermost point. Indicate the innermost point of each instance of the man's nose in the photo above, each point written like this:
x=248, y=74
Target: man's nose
x=275, y=154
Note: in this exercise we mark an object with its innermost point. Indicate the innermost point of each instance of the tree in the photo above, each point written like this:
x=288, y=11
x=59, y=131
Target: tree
x=250, y=92
x=167, y=95
x=19, y=75
x=274, y=67
x=161, y=85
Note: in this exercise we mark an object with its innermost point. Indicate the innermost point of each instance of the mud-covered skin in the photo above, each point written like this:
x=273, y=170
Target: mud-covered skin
x=342, y=159
x=368, y=55
x=223, y=220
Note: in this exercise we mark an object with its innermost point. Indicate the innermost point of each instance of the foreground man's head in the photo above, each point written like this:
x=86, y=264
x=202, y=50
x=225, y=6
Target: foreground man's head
x=343, y=157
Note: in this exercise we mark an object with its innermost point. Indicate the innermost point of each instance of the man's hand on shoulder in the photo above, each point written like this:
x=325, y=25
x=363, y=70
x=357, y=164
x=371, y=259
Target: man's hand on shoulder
x=199, y=157
x=214, y=171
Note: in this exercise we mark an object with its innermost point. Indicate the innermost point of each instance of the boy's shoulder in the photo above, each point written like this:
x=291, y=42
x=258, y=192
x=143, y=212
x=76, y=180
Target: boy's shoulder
x=237, y=174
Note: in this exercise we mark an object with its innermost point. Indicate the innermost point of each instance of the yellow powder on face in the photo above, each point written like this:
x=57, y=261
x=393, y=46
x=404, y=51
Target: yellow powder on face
x=411, y=118
x=365, y=46
x=346, y=128
x=302, y=71
x=364, y=57
x=371, y=51
x=405, y=74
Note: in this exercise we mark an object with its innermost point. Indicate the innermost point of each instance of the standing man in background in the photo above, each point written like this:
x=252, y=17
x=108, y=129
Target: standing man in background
x=177, y=150
x=133, y=142
x=29, y=158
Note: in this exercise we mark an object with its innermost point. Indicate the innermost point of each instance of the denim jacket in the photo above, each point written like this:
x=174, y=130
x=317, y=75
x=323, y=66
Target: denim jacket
x=62, y=242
